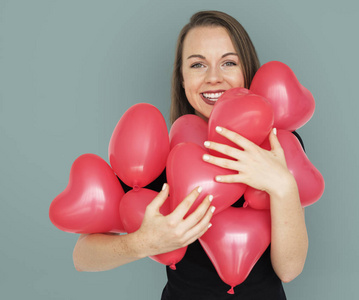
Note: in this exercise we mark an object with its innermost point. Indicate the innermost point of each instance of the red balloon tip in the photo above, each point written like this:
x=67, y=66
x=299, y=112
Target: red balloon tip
x=173, y=267
x=245, y=204
x=136, y=188
x=231, y=291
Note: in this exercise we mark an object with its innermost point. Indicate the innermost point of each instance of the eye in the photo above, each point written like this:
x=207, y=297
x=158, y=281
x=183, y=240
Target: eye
x=229, y=64
x=197, y=65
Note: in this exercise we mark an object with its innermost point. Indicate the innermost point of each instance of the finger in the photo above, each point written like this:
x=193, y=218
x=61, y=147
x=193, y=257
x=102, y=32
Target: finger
x=200, y=228
x=224, y=149
x=273, y=140
x=158, y=201
x=199, y=213
x=230, y=178
x=197, y=236
x=182, y=208
x=221, y=162
x=236, y=138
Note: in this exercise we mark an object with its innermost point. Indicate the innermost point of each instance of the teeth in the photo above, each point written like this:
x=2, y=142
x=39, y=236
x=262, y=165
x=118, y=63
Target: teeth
x=212, y=96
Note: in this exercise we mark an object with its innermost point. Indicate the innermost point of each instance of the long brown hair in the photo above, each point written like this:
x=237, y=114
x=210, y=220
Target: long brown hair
x=241, y=42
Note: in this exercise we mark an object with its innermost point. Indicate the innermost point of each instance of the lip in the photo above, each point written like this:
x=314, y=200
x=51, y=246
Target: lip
x=206, y=100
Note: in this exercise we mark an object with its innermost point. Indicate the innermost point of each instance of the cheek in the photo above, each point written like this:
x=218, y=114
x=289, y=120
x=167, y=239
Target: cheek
x=235, y=78
x=238, y=80
x=241, y=80
x=190, y=85
x=191, y=99
x=187, y=91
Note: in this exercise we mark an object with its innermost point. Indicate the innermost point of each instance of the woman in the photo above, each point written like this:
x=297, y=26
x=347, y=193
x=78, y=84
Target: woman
x=214, y=54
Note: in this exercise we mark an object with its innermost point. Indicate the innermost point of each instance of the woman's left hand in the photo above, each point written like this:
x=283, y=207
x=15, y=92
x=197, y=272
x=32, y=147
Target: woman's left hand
x=267, y=170
x=259, y=168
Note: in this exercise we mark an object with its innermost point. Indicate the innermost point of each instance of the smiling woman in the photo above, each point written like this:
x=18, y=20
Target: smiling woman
x=214, y=54
x=225, y=40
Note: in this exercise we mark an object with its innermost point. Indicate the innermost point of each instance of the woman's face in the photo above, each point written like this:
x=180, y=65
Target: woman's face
x=210, y=66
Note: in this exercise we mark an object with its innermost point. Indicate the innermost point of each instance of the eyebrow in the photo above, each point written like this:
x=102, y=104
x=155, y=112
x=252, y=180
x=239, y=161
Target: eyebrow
x=202, y=57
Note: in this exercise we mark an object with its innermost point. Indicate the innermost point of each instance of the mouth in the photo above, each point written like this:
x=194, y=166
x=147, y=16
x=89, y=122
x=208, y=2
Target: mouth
x=211, y=97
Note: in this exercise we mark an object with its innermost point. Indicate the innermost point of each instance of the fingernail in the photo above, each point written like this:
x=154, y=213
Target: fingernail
x=218, y=178
x=164, y=186
x=207, y=144
x=275, y=131
x=210, y=198
x=218, y=129
x=206, y=157
x=199, y=189
x=213, y=209
x=209, y=226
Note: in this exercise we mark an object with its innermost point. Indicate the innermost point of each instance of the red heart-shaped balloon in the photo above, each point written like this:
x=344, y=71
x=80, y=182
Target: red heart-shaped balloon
x=139, y=145
x=256, y=199
x=90, y=202
x=293, y=104
x=186, y=170
x=235, y=242
x=309, y=180
x=132, y=211
x=188, y=128
x=243, y=112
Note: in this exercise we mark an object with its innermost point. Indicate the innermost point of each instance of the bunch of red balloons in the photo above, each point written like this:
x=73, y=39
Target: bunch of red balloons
x=140, y=149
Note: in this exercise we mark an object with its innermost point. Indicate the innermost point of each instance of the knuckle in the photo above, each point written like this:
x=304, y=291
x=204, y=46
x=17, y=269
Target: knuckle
x=171, y=223
x=198, y=216
x=204, y=206
x=226, y=164
x=182, y=241
x=201, y=210
x=227, y=151
x=178, y=234
x=236, y=138
x=187, y=202
x=238, y=166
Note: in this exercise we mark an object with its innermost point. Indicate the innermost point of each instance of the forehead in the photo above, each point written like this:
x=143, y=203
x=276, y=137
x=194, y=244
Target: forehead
x=201, y=40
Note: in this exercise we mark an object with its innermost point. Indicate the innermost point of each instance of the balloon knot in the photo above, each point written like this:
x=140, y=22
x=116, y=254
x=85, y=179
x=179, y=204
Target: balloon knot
x=231, y=291
x=136, y=188
x=173, y=267
x=245, y=204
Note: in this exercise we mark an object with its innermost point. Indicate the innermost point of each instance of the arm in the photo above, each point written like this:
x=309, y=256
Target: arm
x=289, y=244
x=267, y=171
x=157, y=234
x=100, y=252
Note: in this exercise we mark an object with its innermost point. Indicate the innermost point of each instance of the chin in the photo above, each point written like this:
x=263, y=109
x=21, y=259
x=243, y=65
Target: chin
x=206, y=117
x=203, y=116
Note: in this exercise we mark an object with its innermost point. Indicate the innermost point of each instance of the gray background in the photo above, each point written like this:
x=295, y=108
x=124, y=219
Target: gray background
x=70, y=69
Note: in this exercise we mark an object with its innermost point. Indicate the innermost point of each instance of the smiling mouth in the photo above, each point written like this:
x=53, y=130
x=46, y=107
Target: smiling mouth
x=211, y=98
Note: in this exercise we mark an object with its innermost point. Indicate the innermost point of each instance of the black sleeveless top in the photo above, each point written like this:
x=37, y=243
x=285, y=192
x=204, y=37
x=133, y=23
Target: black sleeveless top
x=195, y=277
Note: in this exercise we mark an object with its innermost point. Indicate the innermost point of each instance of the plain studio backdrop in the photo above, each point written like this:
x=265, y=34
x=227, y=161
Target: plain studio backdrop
x=70, y=69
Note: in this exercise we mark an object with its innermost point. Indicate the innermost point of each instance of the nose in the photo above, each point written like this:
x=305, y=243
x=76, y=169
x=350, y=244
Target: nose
x=214, y=75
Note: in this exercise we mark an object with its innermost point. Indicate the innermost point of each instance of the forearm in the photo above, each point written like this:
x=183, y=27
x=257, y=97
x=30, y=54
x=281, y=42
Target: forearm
x=101, y=252
x=289, y=242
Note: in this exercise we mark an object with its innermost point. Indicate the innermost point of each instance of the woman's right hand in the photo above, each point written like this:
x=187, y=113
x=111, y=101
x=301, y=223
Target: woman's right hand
x=160, y=234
